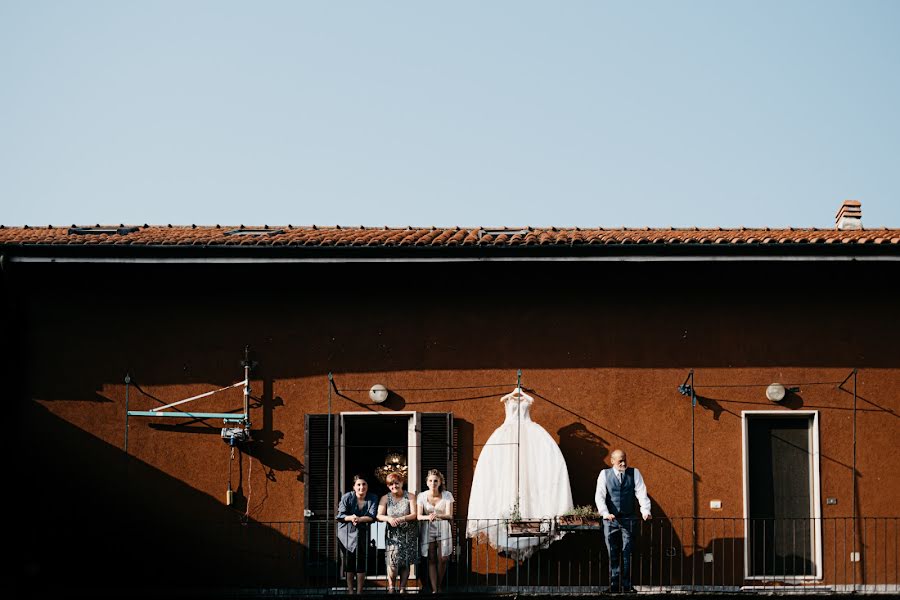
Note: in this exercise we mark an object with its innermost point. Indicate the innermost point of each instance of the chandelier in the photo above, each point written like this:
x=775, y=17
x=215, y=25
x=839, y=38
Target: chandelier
x=394, y=462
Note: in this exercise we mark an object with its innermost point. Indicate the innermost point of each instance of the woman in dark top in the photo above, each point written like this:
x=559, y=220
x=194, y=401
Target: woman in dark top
x=356, y=510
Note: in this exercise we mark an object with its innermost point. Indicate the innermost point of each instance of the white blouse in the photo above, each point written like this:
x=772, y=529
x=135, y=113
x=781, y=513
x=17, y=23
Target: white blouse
x=443, y=506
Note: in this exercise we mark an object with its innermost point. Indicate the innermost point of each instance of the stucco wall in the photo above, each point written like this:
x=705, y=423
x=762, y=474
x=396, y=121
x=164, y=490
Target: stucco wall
x=603, y=348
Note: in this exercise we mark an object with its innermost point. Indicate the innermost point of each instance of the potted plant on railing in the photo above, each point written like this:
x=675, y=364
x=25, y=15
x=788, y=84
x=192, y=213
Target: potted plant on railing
x=519, y=527
x=580, y=517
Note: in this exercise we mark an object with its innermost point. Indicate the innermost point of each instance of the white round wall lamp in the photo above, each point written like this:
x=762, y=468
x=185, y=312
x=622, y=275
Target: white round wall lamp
x=378, y=393
x=775, y=392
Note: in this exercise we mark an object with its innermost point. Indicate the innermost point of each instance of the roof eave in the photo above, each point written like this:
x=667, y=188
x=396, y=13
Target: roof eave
x=675, y=252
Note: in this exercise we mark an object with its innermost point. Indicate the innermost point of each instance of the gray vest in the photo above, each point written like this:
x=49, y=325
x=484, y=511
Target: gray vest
x=620, y=497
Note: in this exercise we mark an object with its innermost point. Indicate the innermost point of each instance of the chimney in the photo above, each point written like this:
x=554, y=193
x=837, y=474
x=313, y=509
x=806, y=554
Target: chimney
x=849, y=216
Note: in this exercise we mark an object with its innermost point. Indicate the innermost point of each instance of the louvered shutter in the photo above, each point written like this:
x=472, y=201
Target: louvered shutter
x=320, y=495
x=438, y=443
x=438, y=451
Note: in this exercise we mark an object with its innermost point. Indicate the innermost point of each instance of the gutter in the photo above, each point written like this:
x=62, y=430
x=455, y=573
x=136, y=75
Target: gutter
x=628, y=252
x=345, y=260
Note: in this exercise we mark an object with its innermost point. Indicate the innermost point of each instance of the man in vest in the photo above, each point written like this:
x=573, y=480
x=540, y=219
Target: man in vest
x=620, y=492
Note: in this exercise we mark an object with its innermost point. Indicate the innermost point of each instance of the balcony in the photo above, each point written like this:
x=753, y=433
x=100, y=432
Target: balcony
x=676, y=554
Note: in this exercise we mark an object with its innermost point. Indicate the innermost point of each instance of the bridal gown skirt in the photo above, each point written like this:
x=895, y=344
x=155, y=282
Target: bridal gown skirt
x=543, y=487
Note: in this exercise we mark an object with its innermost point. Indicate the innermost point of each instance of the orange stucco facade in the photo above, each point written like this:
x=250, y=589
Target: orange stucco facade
x=602, y=347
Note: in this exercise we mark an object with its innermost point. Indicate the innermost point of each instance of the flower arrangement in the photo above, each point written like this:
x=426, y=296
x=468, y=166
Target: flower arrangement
x=514, y=513
x=519, y=527
x=582, y=511
x=579, y=517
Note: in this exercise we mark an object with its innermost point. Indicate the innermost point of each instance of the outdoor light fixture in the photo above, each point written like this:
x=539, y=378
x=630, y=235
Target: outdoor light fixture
x=776, y=392
x=378, y=393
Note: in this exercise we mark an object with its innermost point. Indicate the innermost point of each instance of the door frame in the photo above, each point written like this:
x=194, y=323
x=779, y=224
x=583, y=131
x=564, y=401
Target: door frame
x=413, y=450
x=814, y=486
x=413, y=446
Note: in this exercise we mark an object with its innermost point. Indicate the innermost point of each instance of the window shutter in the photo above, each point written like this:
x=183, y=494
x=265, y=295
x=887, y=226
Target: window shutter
x=439, y=452
x=437, y=447
x=320, y=495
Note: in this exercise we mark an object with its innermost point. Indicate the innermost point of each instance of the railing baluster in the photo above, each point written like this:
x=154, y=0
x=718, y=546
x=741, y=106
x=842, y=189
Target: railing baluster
x=497, y=570
x=671, y=553
x=834, y=538
x=734, y=578
x=876, y=561
x=783, y=555
x=794, y=552
x=724, y=537
x=703, y=553
x=846, y=554
x=863, y=554
x=590, y=563
x=765, y=548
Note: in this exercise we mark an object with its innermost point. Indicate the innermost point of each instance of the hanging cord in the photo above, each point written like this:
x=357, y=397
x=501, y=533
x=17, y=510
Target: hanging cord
x=518, y=432
x=229, y=493
x=249, y=489
x=198, y=396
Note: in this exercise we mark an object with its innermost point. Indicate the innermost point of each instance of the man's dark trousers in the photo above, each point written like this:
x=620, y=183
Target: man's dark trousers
x=618, y=535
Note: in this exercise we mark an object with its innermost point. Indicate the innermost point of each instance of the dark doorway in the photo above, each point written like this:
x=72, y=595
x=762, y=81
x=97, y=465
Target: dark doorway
x=780, y=480
x=367, y=441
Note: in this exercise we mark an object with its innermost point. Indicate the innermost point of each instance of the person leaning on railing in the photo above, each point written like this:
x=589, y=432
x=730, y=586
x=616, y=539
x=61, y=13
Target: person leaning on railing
x=435, y=511
x=397, y=508
x=619, y=489
x=356, y=510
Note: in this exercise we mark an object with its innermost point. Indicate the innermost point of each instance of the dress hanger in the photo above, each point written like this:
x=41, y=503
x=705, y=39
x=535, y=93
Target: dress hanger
x=516, y=394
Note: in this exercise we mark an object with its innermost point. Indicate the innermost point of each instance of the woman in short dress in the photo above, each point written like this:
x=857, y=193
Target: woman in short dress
x=397, y=509
x=356, y=510
x=435, y=510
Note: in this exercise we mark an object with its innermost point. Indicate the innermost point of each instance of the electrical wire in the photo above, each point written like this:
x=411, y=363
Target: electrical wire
x=432, y=389
x=752, y=385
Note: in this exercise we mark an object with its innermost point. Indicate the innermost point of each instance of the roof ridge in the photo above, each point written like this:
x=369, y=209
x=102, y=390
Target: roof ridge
x=371, y=228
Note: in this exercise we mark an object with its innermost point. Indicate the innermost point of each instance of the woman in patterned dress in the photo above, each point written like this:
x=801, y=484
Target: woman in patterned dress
x=397, y=509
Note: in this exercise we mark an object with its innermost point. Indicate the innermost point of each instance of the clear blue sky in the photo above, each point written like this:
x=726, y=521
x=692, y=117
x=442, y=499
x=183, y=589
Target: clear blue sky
x=603, y=113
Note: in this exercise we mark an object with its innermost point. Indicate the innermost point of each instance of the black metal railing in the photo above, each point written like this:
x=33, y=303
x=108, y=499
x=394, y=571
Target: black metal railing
x=684, y=554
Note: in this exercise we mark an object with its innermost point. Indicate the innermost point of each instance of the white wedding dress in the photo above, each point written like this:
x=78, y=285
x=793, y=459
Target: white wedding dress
x=543, y=481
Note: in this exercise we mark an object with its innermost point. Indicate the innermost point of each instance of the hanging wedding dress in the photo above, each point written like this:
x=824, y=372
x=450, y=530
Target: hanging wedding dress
x=543, y=481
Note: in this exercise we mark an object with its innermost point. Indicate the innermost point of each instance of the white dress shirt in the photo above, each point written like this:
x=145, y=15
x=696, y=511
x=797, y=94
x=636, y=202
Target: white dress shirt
x=640, y=491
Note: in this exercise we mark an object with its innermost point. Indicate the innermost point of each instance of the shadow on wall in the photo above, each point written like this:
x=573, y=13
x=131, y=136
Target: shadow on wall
x=300, y=330
x=465, y=462
x=585, y=453
x=581, y=447
x=95, y=519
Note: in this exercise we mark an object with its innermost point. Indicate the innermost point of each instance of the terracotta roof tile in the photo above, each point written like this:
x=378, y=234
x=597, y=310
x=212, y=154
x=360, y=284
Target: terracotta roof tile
x=294, y=236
